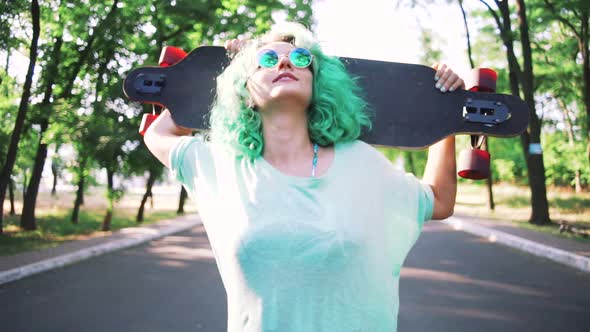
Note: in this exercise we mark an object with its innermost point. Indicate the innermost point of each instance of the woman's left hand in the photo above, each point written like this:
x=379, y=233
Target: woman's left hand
x=446, y=79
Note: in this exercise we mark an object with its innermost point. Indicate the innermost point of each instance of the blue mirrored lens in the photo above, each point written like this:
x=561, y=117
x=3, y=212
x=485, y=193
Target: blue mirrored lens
x=300, y=57
x=268, y=58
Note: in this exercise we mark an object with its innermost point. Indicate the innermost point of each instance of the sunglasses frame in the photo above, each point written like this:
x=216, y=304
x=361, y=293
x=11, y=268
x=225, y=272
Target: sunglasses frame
x=261, y=52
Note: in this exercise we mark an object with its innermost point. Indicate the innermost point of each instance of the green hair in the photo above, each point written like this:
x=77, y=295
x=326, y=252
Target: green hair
x=337, y=112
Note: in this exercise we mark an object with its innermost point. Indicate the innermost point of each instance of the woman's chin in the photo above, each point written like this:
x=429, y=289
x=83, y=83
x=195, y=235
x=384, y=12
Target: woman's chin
x=288, y=91
x=288, y=100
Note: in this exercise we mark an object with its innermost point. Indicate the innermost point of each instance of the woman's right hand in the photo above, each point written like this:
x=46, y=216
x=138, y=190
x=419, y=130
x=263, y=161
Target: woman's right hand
x=234, y=45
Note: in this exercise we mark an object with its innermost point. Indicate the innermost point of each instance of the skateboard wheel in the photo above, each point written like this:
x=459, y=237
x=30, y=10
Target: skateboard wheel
x=146, y=121
x=171, y=55
x=474, y=164
x=482, y=80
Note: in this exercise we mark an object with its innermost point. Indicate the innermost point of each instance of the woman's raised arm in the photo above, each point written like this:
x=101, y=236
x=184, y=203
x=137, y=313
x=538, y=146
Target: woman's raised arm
x=162, y=135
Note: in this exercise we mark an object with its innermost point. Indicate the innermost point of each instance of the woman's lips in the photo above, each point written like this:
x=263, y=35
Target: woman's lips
x=285, y=77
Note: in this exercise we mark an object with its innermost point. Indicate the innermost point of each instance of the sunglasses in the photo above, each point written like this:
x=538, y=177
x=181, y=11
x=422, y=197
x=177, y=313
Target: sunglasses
x=299, y=57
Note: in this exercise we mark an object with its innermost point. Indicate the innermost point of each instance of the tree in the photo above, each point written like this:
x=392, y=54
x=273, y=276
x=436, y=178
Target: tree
x=523, y=80
x=87, y=48
x=574, y=16
x=141, y=161
x=22, y=110
x=30, y=200
x=181, y=201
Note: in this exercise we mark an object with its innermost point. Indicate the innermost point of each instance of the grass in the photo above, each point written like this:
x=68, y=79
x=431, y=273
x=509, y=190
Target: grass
x=54, y=226
x=513, y=204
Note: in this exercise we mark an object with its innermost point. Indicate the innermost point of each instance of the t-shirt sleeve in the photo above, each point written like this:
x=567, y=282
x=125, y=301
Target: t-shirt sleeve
x=425, y=199
x=184, y=160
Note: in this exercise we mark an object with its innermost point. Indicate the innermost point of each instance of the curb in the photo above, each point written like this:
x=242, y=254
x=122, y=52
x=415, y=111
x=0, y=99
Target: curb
x=138, y=235
x=132, y=236
x=557, y=255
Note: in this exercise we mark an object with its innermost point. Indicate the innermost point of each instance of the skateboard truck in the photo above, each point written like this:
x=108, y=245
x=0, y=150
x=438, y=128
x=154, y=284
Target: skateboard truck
x=150, y=83
x=474, y=163
x=489, y=113
x=153, y=83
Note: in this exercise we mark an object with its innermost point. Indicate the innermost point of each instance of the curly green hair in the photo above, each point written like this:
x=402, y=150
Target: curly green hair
x=337, y=112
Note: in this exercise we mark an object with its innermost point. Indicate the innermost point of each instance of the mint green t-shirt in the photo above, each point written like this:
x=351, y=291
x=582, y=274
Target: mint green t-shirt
x=300, y=254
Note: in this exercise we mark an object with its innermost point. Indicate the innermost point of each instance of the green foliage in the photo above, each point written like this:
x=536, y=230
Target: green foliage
x=431, y=52
x=504, y=170
x=13, y=14
x=508, y=162
x=561, y=171
x=413, y=161
x=8, y=105
x=9, y=99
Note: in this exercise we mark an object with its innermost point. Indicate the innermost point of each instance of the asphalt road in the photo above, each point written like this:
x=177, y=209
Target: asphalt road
x=452, y=281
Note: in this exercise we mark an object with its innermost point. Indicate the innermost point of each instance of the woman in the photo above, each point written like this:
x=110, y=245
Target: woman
x=309, y=226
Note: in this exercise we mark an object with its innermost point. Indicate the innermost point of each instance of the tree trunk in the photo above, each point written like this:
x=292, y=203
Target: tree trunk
x=486, y=141
x=181, y=201
x=24, y=193
x=7, y=64
x=569, y=128
x=535, y=166
x=79, y=193
x=82, y=191
x=11, y=194
x=410, y=159
x=55, y=173
x=22, y=110
x=54, y=184
x=148, y=193
x=469, y=50
x=540, y=206
x=27, y=220
x=586, y=73
x=106, y=222
x=489, y=180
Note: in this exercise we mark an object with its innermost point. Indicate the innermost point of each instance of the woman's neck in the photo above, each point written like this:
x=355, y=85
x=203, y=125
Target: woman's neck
x=286, y=138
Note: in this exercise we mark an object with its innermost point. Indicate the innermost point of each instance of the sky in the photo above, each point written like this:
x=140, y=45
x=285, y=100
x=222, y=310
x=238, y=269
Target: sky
x=381, y=30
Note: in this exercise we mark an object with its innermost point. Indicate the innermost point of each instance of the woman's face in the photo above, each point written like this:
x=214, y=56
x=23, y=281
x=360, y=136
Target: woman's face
x=282, y=85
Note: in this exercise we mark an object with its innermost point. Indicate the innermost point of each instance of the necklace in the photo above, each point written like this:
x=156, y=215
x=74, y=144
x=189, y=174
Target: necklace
x=314, y=163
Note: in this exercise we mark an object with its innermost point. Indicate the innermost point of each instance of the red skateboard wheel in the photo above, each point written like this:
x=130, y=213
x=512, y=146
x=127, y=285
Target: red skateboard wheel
x=146, y=121
x=171, y=55
x=482, y=80
x=474, y=164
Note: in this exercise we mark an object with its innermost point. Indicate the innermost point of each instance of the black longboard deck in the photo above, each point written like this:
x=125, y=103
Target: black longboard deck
x=407, y=111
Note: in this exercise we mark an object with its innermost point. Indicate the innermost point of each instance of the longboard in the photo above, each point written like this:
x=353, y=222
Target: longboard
x=408, y=111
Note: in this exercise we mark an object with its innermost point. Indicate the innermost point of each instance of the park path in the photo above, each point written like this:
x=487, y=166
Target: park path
x=452, y=281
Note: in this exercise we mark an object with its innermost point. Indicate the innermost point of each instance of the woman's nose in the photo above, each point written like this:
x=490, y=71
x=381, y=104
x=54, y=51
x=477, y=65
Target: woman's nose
x=284, y=61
